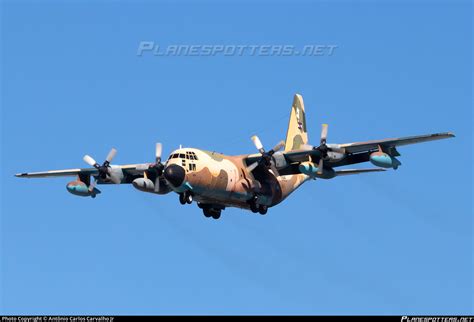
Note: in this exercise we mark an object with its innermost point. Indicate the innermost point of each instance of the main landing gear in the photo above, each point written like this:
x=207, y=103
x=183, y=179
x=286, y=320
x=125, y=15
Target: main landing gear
x=255, y=207
x=210, y=210
x=186, y=198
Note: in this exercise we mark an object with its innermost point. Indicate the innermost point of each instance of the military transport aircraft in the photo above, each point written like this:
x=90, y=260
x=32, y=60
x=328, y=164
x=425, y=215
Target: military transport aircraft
x=255, y=182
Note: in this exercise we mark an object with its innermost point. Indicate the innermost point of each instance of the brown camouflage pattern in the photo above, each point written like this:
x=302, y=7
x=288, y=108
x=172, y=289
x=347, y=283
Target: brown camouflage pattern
x=225, y=180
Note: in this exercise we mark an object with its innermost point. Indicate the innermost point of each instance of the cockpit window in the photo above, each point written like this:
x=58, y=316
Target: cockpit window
x=189, y=155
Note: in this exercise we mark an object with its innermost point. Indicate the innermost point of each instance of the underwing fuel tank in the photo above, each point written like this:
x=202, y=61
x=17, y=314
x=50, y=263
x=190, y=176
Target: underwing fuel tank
x=311, y=169
x=382, y=159
x=79, y=188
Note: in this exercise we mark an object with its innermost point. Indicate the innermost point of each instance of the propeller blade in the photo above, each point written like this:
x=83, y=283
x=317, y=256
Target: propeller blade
x=111, y=155
x=258, y=143
x=252, y=167
x=279, y=146
x=92, y=185
x=90, y=161
x=157, y=184
x=274, y=170
x=158, y=150
x=320, y=166
x=324, y=133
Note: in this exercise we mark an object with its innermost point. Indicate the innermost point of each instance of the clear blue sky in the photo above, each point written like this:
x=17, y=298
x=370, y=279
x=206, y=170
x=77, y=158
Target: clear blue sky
x=387, y=243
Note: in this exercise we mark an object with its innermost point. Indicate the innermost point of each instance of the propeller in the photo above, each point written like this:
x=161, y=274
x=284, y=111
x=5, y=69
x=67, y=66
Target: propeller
x=323, y=148
x=104, y=169
x=266, y=158
x=158, y=167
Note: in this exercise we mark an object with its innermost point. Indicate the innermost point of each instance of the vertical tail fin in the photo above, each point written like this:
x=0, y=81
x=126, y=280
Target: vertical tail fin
x=296, y=134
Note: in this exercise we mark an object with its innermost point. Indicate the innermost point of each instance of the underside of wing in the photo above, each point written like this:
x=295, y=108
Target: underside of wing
x=58, y=173
x=346, y=172
x=357, y=147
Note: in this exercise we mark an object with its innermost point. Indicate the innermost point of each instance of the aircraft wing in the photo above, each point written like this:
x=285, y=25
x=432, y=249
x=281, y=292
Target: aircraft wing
x=367, y=146
x=356, y=152
x=391, y=143
x=131, y=169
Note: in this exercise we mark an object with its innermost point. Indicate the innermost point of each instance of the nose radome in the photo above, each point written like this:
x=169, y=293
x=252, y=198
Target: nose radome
x=174, y=174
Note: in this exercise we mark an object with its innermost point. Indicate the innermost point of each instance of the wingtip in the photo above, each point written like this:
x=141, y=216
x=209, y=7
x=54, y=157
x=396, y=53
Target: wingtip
x=451, y=134
x=21, y=175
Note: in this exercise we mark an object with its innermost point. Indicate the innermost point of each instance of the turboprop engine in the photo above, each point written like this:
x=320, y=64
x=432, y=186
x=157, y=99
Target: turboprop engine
x=155, y=170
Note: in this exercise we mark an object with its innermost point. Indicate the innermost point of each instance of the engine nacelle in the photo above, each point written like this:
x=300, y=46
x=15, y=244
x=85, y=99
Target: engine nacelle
x=280, y=161
x=384, y=160
x=144, y=184
x=333, y=155
x=311, y=169
x=79, y=188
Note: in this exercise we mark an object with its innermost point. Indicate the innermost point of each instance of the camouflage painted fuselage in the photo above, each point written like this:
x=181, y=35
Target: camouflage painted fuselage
x=223, y=180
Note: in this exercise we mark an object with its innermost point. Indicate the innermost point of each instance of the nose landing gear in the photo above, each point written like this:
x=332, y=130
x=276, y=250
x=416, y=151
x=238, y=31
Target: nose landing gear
x=186, y=198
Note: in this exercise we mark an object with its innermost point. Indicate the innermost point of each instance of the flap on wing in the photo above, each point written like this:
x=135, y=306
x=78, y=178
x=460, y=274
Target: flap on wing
x=388, y=143
x=346, y=172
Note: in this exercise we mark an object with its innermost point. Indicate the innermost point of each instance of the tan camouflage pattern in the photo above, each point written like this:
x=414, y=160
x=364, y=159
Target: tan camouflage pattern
x=224, y=180
x=297, y=134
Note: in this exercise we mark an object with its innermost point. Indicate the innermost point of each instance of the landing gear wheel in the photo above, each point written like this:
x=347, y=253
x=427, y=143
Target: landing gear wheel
x=254, y=207
x=188, y=197
x=182, y=199
x=253, y=204
x=206, y=212
x=262, y=209
x=216, y=214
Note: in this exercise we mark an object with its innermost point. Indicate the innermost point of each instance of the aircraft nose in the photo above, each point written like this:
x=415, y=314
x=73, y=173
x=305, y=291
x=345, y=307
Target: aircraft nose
x=174, y=174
